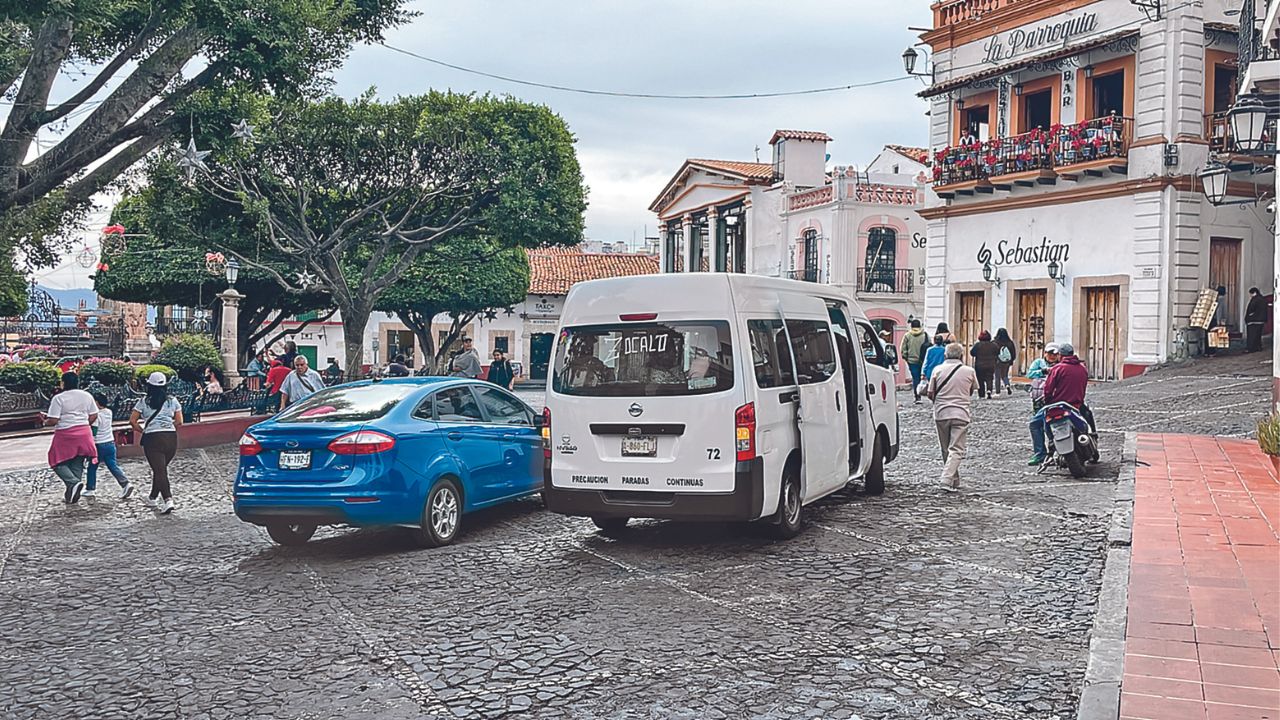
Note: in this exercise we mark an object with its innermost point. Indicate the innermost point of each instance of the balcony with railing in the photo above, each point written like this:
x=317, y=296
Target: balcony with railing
x=809, y=274
x=1094, y=147
x=947, y=13
x=811, y=198
x=1218, y=133
x=890, y=281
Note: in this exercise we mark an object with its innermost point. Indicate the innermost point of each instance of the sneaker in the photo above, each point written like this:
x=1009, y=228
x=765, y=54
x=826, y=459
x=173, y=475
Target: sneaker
x=126, y=490
x=150, y=502
x=950, y=488
x=72, y=495
x=1009, y=388
x=166, y=506
x=917, y=402
x=1036, y=460
x=89, y=493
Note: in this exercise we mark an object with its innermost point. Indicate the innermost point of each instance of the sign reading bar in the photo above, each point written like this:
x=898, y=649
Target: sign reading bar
x=1007, y=46
x=1019, y=254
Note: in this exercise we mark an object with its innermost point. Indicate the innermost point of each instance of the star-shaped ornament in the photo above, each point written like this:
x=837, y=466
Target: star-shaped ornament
x=306, y=278
x=242, y=130
x=192, y=160
x=490, y=314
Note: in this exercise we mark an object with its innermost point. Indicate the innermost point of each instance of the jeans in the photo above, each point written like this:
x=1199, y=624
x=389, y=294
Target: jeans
x=1038, y=431
x=106, y=456
x=1002, y=376
x=986, y=375
x=953, y=436
x=916, y=371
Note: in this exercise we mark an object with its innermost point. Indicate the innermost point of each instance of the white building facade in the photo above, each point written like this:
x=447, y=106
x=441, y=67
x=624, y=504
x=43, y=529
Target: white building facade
x=1067, y=136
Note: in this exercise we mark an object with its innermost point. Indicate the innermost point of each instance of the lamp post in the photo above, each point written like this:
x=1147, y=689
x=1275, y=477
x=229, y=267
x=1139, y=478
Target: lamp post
x=991, y=274
x=1214, y=181
x=909, y=58
x=1248, y=119
x=228, y=334
x=1057, y=273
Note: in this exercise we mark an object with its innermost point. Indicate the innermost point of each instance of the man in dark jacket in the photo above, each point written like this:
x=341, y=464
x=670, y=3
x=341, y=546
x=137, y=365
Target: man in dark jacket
x=914, y=345
x=1068, y=381
x=1255, y=316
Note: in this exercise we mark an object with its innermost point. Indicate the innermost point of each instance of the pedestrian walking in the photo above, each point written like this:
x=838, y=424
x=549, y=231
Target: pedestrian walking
x=951, y=387
x=915, y=344
x=1007, y=353
x=156, y=419
x=986, y=355
x=500, y=371
x=300, y=384
x=1255, y=317
x=942, y=329
x=466, y=363
x=275, y=379
x=71, y=413
x=104, y=439
x=933, y=358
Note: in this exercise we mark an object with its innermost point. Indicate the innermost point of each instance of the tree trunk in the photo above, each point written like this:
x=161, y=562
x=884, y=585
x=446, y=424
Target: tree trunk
x=420, y=324
x=354, y=321
x=450, y=339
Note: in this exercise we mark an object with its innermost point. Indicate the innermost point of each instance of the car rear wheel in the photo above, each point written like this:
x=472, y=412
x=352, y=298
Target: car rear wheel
x=291, y=535
x=612, y=526
x=790, y=517
x=441, y=516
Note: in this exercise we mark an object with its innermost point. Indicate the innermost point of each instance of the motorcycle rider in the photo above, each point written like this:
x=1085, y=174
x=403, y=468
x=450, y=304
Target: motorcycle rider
x=1068, y=380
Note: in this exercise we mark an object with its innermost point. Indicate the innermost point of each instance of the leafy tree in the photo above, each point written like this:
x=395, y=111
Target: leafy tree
x=463, y=278
x=352, y=193
x=165, y=266
x=142, y=48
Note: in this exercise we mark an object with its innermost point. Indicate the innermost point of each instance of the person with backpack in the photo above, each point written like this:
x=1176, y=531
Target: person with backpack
x=933, y=357
x=951, y=389
x=984, y=353
x=914, y=346
x=1007, y=353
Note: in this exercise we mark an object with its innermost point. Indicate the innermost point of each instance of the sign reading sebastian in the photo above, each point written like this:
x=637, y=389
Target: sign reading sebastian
x=1016, y=253
x=1001, y=48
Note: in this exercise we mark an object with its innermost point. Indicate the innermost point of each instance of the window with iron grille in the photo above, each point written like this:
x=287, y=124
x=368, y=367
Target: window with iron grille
x=882, y=261
x=811, y=255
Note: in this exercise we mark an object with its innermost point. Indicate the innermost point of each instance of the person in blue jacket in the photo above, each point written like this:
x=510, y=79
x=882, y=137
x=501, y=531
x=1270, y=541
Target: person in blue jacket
x=935, y=355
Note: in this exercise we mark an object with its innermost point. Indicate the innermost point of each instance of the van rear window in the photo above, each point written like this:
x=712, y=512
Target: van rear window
x=644, y=359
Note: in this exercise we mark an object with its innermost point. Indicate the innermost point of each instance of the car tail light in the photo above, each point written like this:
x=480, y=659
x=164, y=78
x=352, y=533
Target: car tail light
x=744, y=421
x=546, y=433
x=362, y=442
x=637, y=317
x=249, y=445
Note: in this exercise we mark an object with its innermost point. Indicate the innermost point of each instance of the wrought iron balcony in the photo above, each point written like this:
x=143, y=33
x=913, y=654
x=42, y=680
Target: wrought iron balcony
x=1058, y=147
x=888, y=281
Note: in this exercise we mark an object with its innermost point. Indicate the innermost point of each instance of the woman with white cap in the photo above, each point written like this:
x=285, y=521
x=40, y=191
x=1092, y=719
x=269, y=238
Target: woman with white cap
x=159, y=433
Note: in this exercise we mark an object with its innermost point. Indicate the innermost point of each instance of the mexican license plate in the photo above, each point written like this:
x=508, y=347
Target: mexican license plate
x=639, y=446
x=295, y=460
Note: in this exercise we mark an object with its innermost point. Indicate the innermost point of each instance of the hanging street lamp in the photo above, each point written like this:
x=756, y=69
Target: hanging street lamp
x=1248, y=119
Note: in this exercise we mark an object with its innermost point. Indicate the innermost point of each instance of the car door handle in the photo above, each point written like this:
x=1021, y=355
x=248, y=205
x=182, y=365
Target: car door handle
x=508, y=438
x=455, y=436
x=837, y=401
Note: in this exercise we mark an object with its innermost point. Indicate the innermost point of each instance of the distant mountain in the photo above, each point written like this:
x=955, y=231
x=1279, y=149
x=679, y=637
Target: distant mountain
x=70, y=299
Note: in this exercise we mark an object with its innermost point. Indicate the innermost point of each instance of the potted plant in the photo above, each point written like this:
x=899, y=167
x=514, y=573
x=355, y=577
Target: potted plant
x=1269, y=440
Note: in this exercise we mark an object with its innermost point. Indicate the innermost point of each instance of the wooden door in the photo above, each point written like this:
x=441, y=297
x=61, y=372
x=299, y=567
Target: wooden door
x=971, y=316
x=1030, y=328
x=1101, y=351
x=1224, y=271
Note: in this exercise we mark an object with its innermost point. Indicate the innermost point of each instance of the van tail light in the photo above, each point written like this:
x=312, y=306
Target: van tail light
x=637, y=317
x=744, y=421
x=546, y=433
x=362, y=442
x=249, y=445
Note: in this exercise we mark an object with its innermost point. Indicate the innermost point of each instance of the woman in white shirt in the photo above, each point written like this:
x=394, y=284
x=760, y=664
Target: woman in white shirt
x=71, y=412
x=156, y=419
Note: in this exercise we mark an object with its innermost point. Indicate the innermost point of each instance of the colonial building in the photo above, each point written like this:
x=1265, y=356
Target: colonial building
x=1067, y=138
x=858, y=229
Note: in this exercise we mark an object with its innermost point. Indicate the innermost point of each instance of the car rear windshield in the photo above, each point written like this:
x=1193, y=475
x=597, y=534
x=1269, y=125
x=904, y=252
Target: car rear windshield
x=644, y=359
x=348, y=404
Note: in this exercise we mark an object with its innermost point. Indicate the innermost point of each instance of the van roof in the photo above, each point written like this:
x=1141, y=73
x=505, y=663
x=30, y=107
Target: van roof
x=680, y=294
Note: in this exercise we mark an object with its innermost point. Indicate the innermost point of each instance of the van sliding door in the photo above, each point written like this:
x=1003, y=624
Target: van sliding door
x=823, y=423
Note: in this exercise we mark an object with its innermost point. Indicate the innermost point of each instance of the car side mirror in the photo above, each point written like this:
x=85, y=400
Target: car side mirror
x=538, y=420
x=891, y=354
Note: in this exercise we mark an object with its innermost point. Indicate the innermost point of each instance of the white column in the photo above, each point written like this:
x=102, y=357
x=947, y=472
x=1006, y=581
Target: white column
x=710, y=255
x=686, y=224
x=229, y=337
x=662, y=247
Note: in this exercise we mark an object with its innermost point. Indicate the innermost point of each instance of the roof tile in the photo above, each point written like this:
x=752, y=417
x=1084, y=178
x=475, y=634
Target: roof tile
x=919, y=154
x=799, y=135
x=747, y=170
x=554, y=270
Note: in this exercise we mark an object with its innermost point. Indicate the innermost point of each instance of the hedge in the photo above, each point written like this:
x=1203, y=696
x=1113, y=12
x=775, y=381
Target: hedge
x=27, y=376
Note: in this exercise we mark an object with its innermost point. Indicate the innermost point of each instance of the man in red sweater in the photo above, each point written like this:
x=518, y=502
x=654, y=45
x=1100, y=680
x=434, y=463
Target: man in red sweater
x=1067, y=382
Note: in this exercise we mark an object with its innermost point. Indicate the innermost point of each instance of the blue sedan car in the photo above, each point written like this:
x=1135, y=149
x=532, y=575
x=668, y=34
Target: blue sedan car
x=416, y=452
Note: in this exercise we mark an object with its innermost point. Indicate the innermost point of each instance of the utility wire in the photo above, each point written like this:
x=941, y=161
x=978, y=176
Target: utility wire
x=651, y=96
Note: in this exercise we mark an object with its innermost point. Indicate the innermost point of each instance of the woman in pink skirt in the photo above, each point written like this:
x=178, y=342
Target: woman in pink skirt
x=71, y=412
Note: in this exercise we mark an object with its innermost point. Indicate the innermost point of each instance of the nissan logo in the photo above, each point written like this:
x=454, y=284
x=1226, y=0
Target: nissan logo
x=636, y=410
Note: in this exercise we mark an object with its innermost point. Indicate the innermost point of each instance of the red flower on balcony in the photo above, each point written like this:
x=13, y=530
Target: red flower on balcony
x=1077, y=144
x=116, y=229
x=937, y=172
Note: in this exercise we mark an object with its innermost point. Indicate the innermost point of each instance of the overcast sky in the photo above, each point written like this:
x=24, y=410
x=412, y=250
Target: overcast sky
x=629, y=148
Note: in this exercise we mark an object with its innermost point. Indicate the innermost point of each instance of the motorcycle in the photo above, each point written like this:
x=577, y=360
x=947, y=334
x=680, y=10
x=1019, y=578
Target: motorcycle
x=1072, y=441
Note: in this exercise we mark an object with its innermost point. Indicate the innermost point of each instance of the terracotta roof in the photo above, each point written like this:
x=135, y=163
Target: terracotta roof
x=744, y=170
x=554, y=270
x=799, y=135
x=920, y=155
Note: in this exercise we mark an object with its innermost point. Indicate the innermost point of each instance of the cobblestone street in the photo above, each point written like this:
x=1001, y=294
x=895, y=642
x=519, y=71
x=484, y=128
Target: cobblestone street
x=914, y=604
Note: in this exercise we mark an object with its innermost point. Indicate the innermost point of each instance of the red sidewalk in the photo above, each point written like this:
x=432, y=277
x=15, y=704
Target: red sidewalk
x=1203, y=638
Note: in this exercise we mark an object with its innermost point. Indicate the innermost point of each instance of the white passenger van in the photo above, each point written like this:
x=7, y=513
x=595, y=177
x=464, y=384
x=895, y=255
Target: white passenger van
x=704, y=396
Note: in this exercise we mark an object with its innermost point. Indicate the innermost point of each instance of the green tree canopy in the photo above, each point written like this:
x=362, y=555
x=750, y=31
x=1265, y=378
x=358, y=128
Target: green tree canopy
x=462, y=278
x=135, y=95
